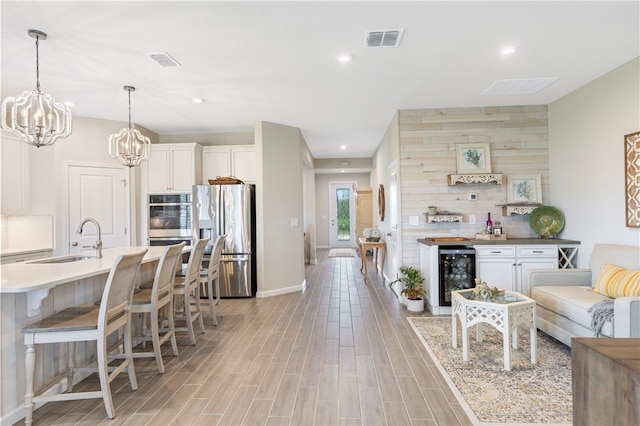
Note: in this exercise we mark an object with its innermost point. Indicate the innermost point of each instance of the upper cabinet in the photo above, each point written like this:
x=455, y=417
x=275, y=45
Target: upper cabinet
x=173, y=168
x=229, y=160
x=15, y=176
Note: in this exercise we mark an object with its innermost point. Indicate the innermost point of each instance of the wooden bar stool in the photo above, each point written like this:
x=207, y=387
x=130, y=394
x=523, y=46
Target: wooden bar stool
x=211, y=274
x=87, y=323
x=188, y=287
x=150, y=301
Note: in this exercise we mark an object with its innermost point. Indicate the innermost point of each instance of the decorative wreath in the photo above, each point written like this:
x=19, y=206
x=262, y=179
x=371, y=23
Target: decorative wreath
x=381, y=202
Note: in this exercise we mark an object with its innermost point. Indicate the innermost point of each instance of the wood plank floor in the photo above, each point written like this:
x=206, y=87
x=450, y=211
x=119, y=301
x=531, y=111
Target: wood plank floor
x=339, y=353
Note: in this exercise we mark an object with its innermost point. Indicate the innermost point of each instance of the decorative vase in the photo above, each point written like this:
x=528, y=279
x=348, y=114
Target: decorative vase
x=415, y=305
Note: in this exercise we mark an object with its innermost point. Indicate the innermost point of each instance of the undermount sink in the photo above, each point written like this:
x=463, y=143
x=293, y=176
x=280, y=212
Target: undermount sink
x=66, y=259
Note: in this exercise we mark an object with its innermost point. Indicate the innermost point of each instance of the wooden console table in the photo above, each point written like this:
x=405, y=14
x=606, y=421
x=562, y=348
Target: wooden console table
x=605, y=376
x=365, y=245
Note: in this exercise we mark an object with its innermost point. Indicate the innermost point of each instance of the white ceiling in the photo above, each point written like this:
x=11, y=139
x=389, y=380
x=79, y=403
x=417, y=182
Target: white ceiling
x=276, y=61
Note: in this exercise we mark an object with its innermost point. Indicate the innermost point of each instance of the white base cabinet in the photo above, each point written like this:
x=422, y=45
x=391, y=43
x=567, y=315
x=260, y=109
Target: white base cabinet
x=506, y=266
x=229, y=160
x=430, y=269
x=172, y=168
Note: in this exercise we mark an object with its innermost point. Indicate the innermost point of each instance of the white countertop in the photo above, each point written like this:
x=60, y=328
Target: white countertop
x=27, y=276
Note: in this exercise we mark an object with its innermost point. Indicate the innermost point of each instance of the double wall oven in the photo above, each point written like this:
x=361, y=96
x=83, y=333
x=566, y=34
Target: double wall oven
x=169, y=219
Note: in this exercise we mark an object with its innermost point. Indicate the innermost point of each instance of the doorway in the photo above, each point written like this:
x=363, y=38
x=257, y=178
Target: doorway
x=102, y=193
x=341, y=215
x=394, y=247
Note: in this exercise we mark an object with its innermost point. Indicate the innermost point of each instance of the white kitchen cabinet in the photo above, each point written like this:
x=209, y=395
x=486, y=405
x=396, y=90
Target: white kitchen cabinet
x=229, y=160
x=429, y=268
x=173, y=168
x=15, y=176
x=364, y=210
x=506, y=266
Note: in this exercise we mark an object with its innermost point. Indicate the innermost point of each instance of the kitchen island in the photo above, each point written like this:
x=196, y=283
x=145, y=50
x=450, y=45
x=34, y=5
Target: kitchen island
x=31, y=291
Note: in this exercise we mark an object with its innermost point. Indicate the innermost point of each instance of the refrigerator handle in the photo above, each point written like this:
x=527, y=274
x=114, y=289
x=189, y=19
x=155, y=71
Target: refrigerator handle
x=221, y=211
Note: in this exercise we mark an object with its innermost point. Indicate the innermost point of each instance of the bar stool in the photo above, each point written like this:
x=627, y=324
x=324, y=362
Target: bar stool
x=188, y=287
x=87, y=323
x=212, y=273
x=149, y=302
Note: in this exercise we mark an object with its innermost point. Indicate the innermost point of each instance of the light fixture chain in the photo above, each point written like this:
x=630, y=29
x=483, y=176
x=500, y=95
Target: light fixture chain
x=37, y=63
x=129, y=108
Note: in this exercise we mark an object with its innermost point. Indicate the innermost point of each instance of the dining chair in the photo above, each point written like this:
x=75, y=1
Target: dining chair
x=211, y=274
x=151, y=301
x=187, y=287
x=88, y=323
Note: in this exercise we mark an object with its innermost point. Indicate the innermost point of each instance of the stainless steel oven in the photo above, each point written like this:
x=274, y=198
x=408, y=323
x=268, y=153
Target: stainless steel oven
x=169, y=216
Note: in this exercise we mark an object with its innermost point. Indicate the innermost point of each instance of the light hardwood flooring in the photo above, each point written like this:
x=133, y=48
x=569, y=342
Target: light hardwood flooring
x=339, y=353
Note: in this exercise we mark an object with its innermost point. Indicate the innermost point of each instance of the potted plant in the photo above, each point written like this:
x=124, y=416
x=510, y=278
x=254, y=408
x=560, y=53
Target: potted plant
x=413, y=289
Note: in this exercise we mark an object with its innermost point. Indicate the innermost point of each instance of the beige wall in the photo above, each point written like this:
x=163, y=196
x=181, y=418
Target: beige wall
x=586, y=130
x=385, y=160
x=88, y=144
x=207, y=139
x=279, y=200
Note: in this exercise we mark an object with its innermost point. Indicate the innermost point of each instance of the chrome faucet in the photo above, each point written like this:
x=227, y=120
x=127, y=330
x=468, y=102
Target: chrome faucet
x=98, y=244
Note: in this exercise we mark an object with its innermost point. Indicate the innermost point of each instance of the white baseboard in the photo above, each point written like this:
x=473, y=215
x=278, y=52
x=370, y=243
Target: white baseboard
x=279, y=291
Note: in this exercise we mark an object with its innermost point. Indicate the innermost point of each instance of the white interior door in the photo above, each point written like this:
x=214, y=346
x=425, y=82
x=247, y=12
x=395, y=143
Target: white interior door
x=341, y=214
x=101, y=193
x=393, y=234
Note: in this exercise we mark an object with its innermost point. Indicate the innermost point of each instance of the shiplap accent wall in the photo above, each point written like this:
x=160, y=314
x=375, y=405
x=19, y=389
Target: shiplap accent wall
x=518, y=141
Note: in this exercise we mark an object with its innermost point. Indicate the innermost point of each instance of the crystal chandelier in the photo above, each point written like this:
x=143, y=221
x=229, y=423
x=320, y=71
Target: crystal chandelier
x=34, y=115
x=129, y=145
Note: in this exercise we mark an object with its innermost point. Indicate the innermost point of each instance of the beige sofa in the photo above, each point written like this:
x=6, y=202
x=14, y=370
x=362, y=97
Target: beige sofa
x=563, y=297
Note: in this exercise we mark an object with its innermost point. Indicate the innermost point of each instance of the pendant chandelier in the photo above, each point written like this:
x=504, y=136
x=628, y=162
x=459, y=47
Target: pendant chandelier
x=129, y=145
x=35, y=115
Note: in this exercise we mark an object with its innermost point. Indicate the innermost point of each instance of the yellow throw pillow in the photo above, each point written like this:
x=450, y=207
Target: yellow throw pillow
x=615, y=281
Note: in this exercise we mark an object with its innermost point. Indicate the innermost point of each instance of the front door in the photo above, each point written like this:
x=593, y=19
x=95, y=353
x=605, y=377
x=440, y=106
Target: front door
x=101, y=193
x=341, y=214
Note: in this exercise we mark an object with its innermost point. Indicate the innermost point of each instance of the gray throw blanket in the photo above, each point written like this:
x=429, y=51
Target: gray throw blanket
x=601, y=312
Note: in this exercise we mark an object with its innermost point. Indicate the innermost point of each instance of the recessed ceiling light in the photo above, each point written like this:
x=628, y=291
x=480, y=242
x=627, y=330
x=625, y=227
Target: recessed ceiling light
x=344, y=57
x=198, y=100
x=508, y=50
x=341, y=171
x=343, y=147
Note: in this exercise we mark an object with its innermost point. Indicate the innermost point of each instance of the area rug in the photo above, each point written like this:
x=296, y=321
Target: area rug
x=528, y=394
x=341, y=252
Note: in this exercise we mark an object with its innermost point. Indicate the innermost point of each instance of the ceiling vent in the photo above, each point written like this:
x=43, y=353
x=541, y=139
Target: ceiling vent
x=521, y=86
x=164, y=59
x=383, y=38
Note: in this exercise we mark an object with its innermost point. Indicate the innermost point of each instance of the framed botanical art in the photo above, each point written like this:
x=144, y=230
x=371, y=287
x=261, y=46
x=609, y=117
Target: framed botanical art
x=473, y=158
x=632, y=179
x=524, y=189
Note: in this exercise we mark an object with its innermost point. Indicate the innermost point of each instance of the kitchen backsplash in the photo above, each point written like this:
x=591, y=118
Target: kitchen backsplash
x=26, y=232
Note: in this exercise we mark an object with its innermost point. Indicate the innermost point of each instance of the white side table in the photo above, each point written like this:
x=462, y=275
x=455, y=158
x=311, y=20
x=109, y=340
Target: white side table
x=505, y=313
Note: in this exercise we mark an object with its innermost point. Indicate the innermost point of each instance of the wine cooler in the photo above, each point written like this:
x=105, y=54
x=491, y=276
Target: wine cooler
x=457, y=271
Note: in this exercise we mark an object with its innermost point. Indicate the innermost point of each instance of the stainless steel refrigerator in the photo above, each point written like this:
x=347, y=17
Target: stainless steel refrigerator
x=229, y=210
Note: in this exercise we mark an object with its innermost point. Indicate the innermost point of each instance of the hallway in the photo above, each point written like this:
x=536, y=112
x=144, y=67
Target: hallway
x=341, y=352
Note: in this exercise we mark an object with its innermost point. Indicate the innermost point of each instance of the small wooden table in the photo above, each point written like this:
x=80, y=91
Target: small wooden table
x=365, y=245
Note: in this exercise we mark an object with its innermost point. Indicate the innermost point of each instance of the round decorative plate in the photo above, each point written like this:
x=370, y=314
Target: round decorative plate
x=546, y=221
